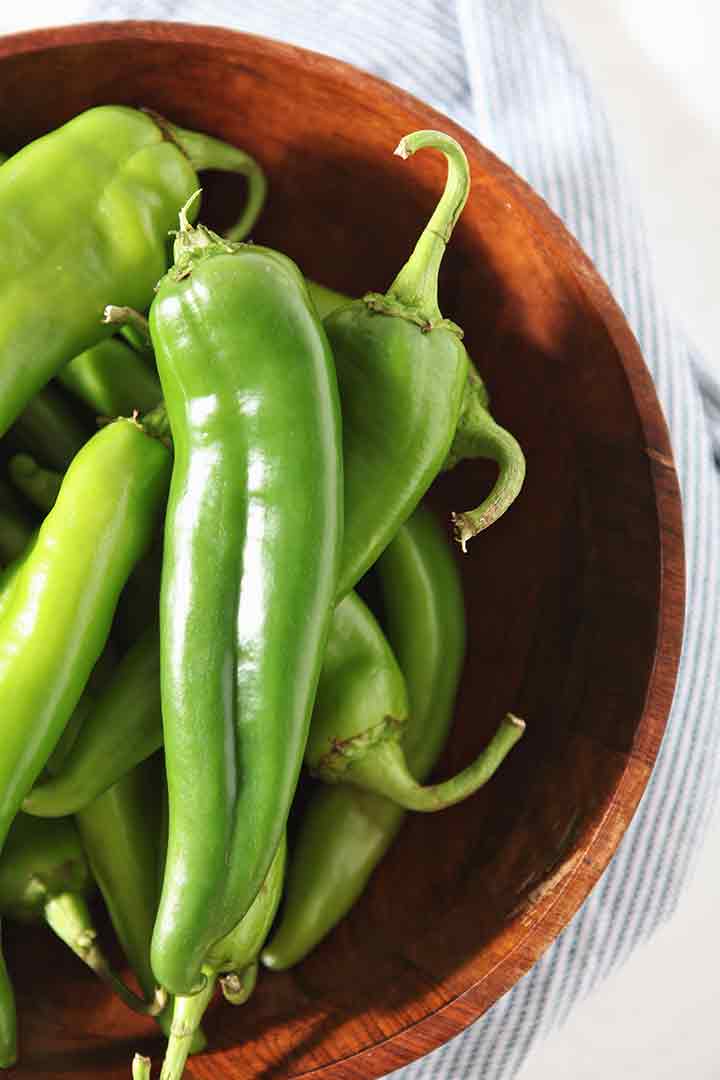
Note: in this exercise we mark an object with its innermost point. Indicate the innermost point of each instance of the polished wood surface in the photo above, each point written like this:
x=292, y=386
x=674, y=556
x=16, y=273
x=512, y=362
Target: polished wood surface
x=575, y=598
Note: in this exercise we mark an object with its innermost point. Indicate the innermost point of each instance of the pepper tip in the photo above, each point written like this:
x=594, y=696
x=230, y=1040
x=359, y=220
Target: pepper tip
x=463, y=530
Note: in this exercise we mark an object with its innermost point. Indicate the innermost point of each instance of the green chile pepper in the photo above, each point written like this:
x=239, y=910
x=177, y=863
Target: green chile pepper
x=117, y=723
x=58, y=615
x=401, y=371
x=234, y=958
x=345, y=831
x=44, y=875
x=41, y=487
x=112, y=380
x=119, y=820
x=121, y=728
x=8, y=1016
x=121, y=836
x=477, y=435
x=125, y=175
x=252, y=546
x=360, y=713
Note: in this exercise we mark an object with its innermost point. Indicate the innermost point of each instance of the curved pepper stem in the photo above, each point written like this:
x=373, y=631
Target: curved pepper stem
x=478, y=435
x=205, y=152
x=238, y=986
x=384, y=771
x=493, y=442
x=68, y=915
x=188, y=1011
x=416, y=286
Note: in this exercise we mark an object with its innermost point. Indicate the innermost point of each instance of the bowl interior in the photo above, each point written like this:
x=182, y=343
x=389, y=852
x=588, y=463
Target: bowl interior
x=566, y=595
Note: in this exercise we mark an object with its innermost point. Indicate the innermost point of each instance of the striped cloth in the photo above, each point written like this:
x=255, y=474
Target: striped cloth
x=505, y=72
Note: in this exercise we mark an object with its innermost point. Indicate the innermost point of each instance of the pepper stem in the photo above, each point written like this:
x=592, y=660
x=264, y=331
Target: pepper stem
x=237, y=987
x=141, y=1067
x=68, y=915
x=384, y=771
x=416, y=286
x=205, y=152
x=128, y=318
x=493, y=442
x=188, y=1011
x=479, y=436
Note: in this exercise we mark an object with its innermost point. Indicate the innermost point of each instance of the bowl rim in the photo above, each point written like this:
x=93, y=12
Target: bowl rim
x=568, y=885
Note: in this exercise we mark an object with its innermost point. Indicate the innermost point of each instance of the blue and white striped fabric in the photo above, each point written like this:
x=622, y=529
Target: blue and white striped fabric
x=504, y=71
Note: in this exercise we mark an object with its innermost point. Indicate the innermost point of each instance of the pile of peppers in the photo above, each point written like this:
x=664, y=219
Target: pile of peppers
x=217, y=567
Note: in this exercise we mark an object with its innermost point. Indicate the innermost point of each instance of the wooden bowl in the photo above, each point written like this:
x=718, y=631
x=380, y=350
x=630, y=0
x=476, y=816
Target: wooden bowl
x=575, y=598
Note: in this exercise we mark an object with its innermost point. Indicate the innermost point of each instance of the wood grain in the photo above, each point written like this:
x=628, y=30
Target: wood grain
x=575, y=598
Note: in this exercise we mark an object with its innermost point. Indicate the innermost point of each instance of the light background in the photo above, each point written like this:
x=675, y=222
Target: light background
x=656, y=64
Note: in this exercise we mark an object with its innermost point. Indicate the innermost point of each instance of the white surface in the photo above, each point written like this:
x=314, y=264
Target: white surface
x=656, y=1018
x=656, y=65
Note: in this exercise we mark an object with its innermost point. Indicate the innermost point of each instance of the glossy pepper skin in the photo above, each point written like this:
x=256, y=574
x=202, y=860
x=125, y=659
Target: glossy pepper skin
x=476, y=434
x=65, y=590
x=233, y=959
x=125, y=175
x=121, y=728
x=117, y=723
x=401, y=373
x=345, y=831
x=252, y=545
x=41, y=487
